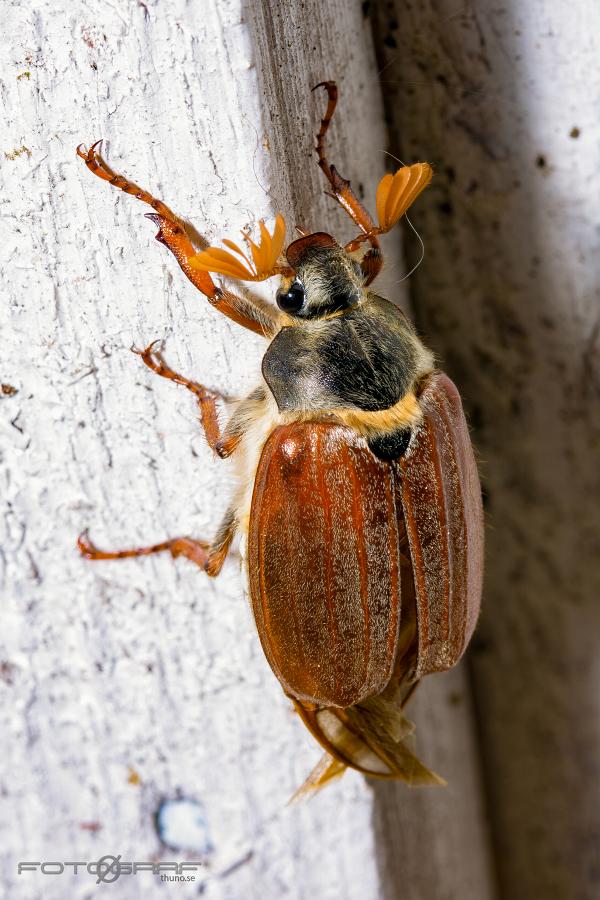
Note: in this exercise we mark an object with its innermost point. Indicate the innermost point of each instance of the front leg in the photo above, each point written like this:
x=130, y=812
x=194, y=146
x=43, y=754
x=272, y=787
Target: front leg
x=254, y=315
x=251, y=314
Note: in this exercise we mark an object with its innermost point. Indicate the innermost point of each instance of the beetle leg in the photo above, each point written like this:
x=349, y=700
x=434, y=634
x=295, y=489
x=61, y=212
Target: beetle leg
x=371, y=264
x=325, y=771
x=209, y=557
x=236, y=427
x=343, y=193
x=221, y=544
x=98, y=167
x=253, y=315
x=224, y=442
x=197, y=551
x=207, y=399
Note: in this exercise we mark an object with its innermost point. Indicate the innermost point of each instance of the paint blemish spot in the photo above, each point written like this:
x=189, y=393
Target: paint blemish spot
x=18, y=151
x=94, y=827
x=7, y=671
x=181, y=825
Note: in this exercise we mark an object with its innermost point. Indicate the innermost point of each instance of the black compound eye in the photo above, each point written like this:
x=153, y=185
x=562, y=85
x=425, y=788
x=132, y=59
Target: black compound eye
x=292, y=300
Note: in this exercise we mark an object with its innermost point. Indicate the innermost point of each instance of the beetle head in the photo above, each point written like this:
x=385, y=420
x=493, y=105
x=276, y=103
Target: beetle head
x=325, y=278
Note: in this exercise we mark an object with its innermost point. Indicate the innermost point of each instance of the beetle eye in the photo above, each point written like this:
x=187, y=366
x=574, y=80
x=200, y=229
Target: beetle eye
x=292, y=300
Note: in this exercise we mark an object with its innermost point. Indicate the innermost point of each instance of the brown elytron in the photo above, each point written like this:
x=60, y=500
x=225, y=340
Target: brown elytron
x=444, y=521
x=359, y=496
x=325, y=576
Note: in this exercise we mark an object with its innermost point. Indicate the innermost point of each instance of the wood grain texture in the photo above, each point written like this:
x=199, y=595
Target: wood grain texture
x=502, y=99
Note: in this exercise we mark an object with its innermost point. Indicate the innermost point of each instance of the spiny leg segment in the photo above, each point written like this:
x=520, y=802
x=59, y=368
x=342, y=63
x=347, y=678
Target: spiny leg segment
x=342, y=191
x=222, y=441
x=255, y=316
x=207, y=400
x=209, y=557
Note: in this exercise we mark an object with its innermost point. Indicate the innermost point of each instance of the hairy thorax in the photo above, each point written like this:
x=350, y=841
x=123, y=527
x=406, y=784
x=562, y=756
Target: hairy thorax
x=360, y=369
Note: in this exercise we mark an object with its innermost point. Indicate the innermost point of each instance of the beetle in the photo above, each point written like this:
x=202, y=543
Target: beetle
x=359, y=503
